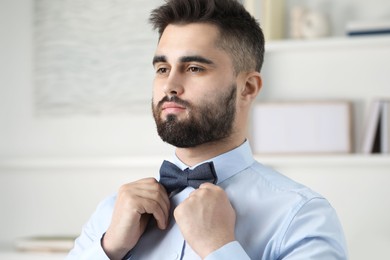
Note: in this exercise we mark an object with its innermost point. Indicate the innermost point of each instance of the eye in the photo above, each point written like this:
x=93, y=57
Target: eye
x=162, y=70
x=195, y=69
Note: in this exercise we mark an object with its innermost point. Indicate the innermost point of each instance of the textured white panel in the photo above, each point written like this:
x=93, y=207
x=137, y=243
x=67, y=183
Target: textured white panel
x=93, y=57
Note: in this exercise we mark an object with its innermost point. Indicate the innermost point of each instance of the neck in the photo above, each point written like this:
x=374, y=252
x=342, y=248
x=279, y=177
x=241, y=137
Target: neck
x=194, y=155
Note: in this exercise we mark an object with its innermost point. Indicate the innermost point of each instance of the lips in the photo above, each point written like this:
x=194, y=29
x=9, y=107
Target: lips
x=171, y=105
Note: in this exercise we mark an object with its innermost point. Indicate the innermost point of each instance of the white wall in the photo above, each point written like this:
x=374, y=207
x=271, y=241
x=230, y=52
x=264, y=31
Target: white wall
x=22, y=134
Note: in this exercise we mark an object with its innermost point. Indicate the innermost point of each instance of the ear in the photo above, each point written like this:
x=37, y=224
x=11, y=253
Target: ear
x=252, y=85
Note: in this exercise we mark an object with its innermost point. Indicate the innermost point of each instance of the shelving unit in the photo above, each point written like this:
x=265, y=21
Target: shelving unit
x=353, y=69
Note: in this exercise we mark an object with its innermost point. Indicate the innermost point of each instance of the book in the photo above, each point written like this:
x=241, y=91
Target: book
x=45, y=243
x=385, y=127
x=272, y=19
x=360, y=28
x=270, y=14
x=371, y=128
x=376, y=135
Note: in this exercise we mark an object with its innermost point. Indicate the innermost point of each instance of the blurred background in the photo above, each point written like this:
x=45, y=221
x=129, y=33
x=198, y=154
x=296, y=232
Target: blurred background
x=75, y=121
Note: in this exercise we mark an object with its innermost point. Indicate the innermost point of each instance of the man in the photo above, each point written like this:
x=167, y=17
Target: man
x=207, y=64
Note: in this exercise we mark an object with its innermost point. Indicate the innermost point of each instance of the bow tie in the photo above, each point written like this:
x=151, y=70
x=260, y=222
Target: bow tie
x=173, y=178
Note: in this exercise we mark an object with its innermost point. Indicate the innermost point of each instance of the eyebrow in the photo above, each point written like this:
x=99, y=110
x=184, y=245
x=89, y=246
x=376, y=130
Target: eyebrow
x=195, y=58
x=184, y=59
x=157, y=59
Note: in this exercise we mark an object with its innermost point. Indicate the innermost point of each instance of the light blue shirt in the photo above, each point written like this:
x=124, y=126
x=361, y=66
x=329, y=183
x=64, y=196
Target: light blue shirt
x=276, y=218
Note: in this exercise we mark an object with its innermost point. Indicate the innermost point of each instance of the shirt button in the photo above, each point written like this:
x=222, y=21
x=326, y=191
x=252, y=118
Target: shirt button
x=174, y=256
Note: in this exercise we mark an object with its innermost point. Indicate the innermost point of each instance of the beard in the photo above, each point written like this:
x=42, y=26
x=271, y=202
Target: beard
x=209, y=122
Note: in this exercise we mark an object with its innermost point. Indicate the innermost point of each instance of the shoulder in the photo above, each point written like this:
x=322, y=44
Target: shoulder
x=270, y=182
x=295, y=216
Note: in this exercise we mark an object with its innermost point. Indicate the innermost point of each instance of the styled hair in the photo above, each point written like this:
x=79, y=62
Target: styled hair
x=240, y=34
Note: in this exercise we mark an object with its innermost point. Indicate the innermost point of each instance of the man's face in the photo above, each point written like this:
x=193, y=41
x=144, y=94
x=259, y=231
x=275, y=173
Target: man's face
x=194, y=97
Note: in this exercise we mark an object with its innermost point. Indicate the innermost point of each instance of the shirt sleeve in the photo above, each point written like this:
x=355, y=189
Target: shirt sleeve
x=93, y=251
x=232, y=250
x=314, y=233
x=88, y=244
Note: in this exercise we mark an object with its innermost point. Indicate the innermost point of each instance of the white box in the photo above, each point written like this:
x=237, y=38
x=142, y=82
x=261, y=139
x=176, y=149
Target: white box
x=302, y=127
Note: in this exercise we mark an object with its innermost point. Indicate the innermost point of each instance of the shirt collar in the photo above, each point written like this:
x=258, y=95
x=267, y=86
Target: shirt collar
x=227, y=164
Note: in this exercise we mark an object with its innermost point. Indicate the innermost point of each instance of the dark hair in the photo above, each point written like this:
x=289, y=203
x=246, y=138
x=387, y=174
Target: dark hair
x=240, y=33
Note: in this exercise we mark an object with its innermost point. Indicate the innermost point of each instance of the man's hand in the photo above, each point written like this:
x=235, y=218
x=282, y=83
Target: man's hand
x=206, y=219
x=136, y=202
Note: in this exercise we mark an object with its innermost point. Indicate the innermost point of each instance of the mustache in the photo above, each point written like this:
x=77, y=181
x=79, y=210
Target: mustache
x=174, y=99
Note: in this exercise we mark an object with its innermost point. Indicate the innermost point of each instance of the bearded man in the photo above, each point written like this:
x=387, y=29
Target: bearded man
x=213, y=200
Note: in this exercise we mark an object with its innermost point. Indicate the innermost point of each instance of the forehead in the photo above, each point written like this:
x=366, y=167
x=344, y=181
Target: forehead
x=190, y=39
x=201, y=32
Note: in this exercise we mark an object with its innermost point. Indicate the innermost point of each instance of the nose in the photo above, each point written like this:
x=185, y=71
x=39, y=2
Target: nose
x=174, y=84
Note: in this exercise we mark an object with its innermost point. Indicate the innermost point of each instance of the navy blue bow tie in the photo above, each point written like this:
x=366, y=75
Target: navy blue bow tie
x=173, y=178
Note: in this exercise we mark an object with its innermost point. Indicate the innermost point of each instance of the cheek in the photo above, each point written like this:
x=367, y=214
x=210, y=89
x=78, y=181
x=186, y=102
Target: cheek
x=157, y=94
x=155, y=100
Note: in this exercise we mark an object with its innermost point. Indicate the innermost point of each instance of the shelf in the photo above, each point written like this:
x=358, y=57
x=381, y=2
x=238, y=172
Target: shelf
x=328, y=43
x=88, y=162
x=13, y=255
x=346, y=160
x=155, y=161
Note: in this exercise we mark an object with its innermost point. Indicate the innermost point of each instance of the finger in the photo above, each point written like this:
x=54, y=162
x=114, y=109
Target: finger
x=148, y=196
x=153, y=184
x=154, y=192
x=205, y=188
x=148, y=188
x=159, y=211
x=156, y=201
x=208, y=185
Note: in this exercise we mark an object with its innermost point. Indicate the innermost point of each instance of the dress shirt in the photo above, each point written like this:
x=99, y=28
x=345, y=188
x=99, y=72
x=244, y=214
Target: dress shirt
x=276, y=218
